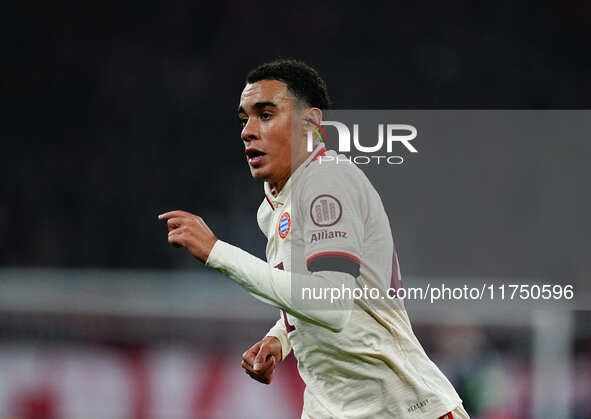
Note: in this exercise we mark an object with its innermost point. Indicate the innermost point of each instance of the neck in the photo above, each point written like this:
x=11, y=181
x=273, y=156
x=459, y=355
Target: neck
x=276, y=185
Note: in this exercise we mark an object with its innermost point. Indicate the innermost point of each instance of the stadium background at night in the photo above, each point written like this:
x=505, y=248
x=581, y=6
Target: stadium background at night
x=115, y=112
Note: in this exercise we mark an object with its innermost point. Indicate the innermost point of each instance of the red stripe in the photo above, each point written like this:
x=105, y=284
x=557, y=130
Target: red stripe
x=269, y=201
x=38, y=402
x=348, y=255
x=395, y=281
x=211, y=380
x=318, y=154
x=293, y=384
x=319, y=127
x=140, y=383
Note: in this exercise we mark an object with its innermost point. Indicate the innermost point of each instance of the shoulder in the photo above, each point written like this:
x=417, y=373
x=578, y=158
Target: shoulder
x=334, y=171
x=341, y=180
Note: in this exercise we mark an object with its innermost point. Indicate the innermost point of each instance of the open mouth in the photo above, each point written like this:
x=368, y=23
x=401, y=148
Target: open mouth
x=254, y=156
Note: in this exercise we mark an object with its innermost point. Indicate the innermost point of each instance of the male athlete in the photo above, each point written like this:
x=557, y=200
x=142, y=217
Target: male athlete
x=326, y=228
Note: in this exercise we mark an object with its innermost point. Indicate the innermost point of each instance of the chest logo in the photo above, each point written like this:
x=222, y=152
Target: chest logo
x=325, y=210
x=284, y=225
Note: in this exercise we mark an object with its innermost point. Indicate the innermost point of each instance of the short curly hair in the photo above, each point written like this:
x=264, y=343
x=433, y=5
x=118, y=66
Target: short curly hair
x=301, y=80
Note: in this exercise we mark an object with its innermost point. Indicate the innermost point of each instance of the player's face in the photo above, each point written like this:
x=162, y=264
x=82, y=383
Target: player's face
x=266, y=112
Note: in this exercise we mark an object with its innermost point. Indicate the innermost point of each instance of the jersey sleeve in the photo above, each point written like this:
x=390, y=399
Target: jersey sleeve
x=279, y=331
x=330, y=208
x=330, y=213
x=274, y=285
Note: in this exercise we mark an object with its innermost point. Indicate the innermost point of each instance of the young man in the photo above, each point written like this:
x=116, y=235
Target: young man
x=326, y=228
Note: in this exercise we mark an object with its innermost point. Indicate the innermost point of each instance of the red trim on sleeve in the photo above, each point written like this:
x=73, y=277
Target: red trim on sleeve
x=345, y=254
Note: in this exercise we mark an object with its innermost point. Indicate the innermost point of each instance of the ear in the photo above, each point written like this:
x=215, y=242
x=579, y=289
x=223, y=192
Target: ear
x=311, y=118
x=313, y=115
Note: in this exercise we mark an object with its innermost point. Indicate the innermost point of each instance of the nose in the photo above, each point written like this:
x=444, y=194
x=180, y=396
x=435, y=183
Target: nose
x=250, y=130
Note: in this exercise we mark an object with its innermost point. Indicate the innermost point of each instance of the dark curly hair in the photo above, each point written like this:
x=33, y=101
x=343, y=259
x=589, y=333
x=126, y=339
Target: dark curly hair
x=302, y=80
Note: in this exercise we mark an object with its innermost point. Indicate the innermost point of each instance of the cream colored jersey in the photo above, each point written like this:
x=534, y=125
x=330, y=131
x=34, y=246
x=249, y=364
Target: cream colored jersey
x=359, y=359
x=375, y=367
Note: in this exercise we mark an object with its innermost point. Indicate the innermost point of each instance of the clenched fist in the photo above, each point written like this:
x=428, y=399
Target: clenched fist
x=189, y=231
x=259, y=360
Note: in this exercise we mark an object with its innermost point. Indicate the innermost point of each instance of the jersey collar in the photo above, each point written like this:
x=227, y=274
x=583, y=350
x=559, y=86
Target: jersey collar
x=283, y=196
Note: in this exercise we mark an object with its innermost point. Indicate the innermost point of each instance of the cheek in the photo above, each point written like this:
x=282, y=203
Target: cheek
x=279, y=143
x=281, y=152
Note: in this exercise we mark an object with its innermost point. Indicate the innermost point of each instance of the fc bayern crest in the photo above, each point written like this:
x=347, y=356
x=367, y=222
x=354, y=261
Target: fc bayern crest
x=325, y=210
x=284, y=225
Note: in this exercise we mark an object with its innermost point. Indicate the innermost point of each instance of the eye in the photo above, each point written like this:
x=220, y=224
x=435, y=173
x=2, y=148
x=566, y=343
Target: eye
x=265, y=116
x=243, y=122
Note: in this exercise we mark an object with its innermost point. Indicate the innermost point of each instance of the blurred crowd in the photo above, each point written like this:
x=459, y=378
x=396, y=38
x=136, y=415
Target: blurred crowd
x=119, y=111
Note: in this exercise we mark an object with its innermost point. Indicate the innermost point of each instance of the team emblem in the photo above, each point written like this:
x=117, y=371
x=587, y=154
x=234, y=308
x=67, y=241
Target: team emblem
x=284, y=225
x=325, y=210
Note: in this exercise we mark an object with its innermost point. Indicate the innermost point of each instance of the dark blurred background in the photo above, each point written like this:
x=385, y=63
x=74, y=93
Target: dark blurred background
x=117, y=111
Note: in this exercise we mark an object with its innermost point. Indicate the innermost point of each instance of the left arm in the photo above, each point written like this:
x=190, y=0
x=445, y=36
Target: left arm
x=255, y=275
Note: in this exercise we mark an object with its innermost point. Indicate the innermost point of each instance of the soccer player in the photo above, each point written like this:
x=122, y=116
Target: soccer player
x=327, y=229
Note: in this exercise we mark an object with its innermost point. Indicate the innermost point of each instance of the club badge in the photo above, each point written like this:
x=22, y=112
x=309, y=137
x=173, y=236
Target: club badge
x=284, y=225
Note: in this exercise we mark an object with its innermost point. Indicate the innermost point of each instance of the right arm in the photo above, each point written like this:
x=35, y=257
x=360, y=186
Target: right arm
x=280, y=332
x=260, y=360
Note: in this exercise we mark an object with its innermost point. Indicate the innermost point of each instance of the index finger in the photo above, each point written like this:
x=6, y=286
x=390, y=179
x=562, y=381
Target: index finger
x=175, y=213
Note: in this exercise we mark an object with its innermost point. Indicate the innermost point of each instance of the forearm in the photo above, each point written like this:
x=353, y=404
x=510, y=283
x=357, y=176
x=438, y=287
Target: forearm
x=257, y=277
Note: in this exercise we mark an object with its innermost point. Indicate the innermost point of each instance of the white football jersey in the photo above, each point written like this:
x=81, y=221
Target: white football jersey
x=329, y=217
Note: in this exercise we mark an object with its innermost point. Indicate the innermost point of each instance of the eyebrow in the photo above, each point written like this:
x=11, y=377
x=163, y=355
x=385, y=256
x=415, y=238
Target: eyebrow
x=258, y=106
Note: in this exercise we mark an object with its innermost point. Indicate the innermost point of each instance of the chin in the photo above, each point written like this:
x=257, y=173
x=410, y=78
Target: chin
x=259, y=174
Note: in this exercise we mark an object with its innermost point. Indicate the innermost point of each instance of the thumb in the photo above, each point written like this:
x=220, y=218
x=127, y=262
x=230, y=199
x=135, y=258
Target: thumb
x=261, y=357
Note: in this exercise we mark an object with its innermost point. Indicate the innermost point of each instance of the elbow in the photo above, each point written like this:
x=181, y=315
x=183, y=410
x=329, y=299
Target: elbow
x=337, y=316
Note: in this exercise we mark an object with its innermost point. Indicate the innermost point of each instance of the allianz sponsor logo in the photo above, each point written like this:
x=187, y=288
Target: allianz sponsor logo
x=319, y=235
